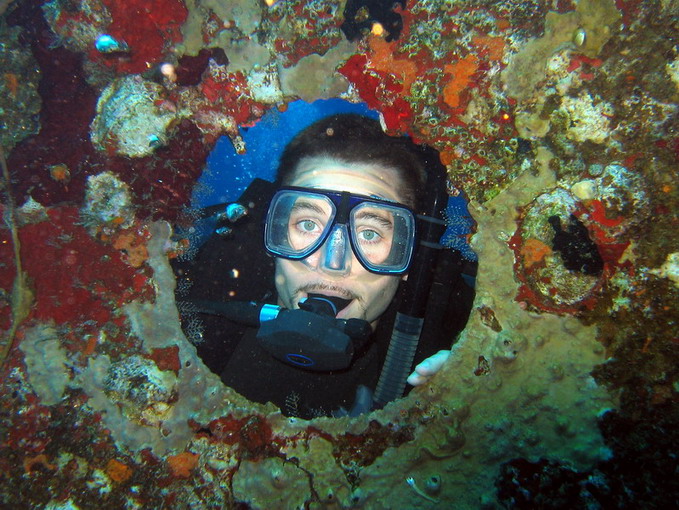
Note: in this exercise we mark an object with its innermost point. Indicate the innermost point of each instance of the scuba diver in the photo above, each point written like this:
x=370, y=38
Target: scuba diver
x=346, y=244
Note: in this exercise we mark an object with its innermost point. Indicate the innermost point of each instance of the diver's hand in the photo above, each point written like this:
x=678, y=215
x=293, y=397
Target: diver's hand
x=425, y=370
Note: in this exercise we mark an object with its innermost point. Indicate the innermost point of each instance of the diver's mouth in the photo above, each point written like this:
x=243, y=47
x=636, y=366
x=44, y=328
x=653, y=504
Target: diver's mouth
x=338, y=302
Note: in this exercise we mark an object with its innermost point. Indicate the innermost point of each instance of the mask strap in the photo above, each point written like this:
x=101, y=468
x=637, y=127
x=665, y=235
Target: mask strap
x=342, y=214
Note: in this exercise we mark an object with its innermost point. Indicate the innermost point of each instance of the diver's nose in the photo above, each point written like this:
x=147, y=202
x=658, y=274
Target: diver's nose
x=336, y=252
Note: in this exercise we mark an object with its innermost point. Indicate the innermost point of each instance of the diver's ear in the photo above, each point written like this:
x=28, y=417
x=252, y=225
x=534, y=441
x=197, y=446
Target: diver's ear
x=405, y=277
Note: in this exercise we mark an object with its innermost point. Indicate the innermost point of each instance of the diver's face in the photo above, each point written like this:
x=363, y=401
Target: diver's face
x=370, y=293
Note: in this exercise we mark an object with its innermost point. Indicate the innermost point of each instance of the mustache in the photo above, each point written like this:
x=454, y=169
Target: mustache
x=318, y=287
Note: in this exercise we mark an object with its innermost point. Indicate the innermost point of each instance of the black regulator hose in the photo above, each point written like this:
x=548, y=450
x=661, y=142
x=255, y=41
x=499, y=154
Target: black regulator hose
x=409, y=319
x=247, y=313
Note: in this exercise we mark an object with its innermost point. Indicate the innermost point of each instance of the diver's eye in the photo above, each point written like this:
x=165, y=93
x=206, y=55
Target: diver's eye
x=369, y=236
x=307, y=225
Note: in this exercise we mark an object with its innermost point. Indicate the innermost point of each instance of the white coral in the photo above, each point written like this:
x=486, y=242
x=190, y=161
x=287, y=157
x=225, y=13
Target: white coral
x=589, y=121
x=669, y=269
x=108, y=200
x=128, y=120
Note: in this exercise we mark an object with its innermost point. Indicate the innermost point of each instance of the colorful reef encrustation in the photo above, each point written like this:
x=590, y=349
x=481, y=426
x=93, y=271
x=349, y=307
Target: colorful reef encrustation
x=556, y=119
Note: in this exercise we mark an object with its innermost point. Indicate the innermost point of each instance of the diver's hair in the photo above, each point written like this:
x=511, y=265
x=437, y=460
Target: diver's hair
x=352, y=138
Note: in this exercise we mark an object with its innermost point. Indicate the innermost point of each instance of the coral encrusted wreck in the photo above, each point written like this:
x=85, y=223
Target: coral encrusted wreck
x=557, y=119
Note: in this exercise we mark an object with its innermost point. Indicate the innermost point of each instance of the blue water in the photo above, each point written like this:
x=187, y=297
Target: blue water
x=228, y=174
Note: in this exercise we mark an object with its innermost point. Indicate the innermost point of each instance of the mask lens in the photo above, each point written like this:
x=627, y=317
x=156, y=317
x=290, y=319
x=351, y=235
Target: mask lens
x=297, y=223
x=383, y=236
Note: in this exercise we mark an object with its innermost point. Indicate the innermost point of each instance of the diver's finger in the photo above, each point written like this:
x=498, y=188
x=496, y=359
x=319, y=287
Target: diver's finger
x=416, y=379
x=432, y=364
